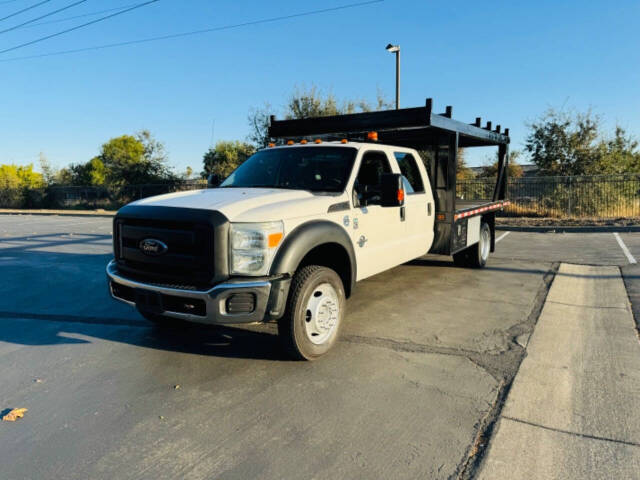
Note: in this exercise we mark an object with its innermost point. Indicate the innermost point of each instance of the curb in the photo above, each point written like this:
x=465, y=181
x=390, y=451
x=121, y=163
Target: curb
x=571, y=228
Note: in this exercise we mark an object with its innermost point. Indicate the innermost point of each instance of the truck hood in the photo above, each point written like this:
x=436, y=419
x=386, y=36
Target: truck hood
x=248, y=204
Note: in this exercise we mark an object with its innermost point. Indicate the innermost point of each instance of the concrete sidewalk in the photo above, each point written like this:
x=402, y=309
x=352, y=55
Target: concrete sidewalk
x=572, y=410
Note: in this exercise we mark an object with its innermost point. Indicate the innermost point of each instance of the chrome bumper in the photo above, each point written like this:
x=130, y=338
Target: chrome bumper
x=215, y=299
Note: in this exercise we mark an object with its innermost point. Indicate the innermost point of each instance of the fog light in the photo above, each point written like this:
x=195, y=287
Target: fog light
x=241, y=303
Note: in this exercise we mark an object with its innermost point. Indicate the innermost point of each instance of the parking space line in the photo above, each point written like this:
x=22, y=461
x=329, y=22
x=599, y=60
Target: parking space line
x=624, y=248
x=502, y=236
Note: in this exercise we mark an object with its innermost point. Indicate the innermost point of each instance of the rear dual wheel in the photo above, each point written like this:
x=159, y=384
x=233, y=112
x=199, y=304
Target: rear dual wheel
x=315, y=313
x=476, y=256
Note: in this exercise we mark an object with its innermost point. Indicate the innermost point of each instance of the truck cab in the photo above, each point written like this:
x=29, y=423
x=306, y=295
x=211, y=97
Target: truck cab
x=286, y=237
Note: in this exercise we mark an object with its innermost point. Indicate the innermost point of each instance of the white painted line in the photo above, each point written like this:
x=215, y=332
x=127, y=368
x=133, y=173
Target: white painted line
x=624, y=248
x=502, y=236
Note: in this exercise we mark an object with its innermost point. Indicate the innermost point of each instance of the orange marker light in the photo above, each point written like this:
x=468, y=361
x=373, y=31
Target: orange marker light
x=290, y=142
x=344, y=140
x=303, y=141
x=271, y=145
x=400, y=195
x=317, y=140
x=274, y=239
x=440, y=217
x=373, y=136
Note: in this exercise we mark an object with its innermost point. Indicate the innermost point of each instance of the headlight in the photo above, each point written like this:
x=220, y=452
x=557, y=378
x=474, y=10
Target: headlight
x=252, y=246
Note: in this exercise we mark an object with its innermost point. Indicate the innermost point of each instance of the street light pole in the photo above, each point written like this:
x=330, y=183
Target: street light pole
x=396, y=49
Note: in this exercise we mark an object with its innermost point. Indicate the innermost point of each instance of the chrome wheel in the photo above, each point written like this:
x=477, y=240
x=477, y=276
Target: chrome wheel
x=485, y=244
x=322, y=314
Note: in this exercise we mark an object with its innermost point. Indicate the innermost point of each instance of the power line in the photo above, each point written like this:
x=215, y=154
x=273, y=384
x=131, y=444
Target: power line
x=43, y=16
x=89, y=14
x=25, y=9
x=77, y=27
x=196, y=32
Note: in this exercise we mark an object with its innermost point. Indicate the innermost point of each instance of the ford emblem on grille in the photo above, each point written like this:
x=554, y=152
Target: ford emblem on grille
x=153, y=247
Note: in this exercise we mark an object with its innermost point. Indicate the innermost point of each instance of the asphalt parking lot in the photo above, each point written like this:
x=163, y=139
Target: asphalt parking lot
x=420, y=373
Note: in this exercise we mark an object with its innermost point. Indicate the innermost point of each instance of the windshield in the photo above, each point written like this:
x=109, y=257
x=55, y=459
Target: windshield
x=318, y=169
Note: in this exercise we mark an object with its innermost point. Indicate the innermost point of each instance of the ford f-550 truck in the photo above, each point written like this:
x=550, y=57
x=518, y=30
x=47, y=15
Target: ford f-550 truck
x=289, y=233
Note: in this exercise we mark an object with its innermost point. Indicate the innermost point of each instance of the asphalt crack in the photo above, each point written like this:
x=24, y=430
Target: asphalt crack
x=575, y=434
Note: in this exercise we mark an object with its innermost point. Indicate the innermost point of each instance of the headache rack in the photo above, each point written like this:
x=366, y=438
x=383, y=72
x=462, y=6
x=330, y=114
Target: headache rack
x=434, y=135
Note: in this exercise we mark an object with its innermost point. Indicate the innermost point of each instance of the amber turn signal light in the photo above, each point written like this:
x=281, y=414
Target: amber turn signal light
x=274, y=239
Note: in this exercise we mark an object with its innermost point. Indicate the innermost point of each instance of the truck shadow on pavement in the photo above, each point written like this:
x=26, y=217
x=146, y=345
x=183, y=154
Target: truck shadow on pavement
x=55, y=293
x=220, y=341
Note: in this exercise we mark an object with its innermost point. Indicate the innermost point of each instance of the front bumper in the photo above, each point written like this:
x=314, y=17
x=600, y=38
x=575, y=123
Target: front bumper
x=208, y=306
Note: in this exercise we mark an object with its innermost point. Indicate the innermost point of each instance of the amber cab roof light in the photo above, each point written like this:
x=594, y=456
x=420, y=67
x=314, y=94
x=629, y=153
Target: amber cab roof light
x=373, y=136
x=290, y=142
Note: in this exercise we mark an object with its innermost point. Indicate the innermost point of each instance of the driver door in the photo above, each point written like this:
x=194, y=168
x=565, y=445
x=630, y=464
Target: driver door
x=377, y=232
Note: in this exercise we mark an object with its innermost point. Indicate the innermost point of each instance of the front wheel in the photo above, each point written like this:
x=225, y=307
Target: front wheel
x=476, y=256
x=314, y=315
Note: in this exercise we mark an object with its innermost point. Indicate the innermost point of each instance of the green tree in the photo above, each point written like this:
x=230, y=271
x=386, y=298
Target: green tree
x=225, y=157
x=20, y=177
x=130, y=160
x=561, y=143
x=463, y=171
x=616, y=155
x=514, y=170
x=91, y=173
x=63, y=177
x=259, y=119
x=48, y=173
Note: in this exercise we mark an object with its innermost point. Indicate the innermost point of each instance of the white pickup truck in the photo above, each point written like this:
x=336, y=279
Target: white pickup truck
x=286, y=237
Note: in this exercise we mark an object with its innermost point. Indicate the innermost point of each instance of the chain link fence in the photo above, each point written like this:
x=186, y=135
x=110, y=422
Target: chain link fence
x=611, y=196
x=84, y=198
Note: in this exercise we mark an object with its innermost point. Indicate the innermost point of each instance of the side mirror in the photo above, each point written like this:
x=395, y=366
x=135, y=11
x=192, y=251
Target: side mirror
x=392, y=190
x=213, y=180
x=355, y=196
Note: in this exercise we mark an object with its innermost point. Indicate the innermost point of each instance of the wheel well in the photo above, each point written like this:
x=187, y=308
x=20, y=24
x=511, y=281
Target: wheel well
x=333, y=256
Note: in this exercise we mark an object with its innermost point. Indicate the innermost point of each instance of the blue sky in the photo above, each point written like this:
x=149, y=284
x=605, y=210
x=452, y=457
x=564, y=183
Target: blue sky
x=504, y=61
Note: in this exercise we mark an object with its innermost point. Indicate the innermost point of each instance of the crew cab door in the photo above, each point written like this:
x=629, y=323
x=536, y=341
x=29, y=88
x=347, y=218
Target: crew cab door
x=418, y=204
x=378, y=233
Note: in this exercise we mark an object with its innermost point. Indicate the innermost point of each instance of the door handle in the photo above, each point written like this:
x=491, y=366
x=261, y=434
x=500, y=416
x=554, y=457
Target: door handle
x=429, y=208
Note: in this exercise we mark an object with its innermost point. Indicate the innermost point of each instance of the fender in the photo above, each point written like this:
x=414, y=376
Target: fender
x=305, y=238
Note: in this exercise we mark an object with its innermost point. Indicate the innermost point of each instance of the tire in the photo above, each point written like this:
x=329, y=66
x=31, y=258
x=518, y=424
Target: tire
x=477, y=255
x=314, y=314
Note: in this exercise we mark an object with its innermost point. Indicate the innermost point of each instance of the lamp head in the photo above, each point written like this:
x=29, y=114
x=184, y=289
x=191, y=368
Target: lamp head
x=393, y=48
